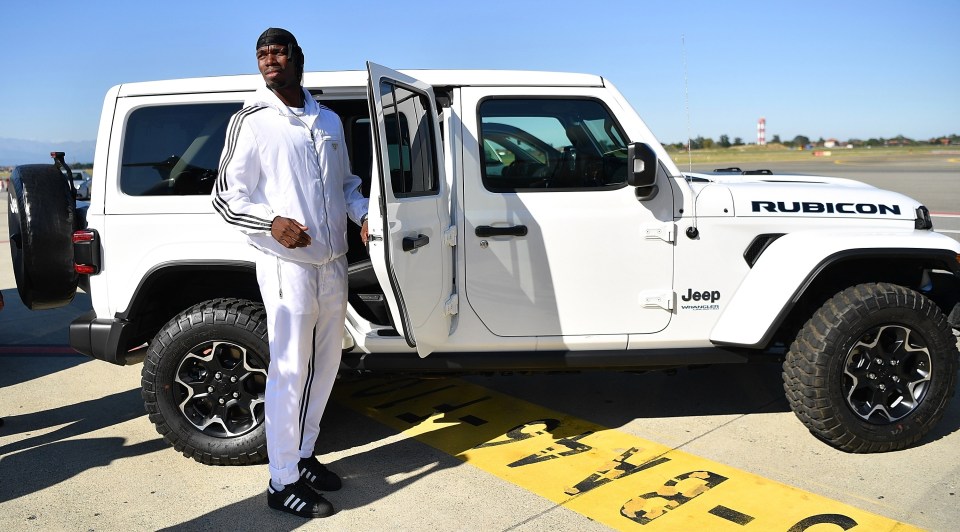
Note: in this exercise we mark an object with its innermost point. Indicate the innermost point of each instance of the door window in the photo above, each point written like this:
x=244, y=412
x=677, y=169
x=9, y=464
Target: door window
x=550, y=144
x=410, y=141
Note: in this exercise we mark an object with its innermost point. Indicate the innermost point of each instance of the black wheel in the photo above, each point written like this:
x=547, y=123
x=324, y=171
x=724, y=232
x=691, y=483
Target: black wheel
x=41, y=214
x=873, y=369
x=204, y=378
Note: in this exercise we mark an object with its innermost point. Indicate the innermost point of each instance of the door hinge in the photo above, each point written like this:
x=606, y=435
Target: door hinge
x=657, y=299
x=450, y=236
x=666, y=232
x=452, y=306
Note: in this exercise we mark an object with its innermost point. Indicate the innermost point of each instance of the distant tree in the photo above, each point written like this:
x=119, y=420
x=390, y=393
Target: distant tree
x=724, y=141
x=945, y=140
x=737, y=141
x=775, y=139
x=700, y=143
x=820, y=141
x=801, y=140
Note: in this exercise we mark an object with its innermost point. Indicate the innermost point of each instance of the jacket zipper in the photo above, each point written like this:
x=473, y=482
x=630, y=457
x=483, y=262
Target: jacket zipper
x=323, y=187
x=279, y=278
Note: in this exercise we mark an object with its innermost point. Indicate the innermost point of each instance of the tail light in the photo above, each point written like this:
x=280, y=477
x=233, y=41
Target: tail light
x=86, y=252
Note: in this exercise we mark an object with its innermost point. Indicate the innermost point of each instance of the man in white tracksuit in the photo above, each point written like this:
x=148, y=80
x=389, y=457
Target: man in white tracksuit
x=285, y=181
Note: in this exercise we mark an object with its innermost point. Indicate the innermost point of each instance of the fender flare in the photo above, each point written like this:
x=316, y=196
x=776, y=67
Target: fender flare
x=147, y=284
x=791, y=264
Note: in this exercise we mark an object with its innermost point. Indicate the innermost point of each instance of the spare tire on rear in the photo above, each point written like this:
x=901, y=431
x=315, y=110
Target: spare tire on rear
x=41, y=215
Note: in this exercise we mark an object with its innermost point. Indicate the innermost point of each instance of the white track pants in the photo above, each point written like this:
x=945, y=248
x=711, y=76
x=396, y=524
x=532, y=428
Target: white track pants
x=305, y=305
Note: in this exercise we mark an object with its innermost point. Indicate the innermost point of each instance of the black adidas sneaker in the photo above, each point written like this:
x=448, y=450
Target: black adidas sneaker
x=317, y=476
x=299, y=500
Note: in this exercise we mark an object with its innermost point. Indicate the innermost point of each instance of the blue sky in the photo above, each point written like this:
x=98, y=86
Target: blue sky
x=842, y=69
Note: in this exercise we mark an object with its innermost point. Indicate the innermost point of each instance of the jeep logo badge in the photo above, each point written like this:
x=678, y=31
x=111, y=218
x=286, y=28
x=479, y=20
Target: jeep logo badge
x=707, y=295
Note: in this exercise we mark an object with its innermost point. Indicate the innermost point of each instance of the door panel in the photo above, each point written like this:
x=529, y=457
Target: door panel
x=555, y=243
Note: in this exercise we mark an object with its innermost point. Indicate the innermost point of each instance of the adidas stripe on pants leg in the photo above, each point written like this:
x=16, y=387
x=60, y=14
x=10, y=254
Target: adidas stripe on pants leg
x=305, y=305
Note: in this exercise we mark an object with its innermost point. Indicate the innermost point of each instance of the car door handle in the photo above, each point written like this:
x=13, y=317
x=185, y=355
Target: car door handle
x=488, y=230
x=411, y=243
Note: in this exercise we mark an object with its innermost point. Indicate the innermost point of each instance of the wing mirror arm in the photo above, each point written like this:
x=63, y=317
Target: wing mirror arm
x=642, y=167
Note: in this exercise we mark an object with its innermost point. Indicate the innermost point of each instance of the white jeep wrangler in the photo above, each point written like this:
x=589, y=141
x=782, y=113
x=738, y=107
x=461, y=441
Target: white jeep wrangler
x=519, y=221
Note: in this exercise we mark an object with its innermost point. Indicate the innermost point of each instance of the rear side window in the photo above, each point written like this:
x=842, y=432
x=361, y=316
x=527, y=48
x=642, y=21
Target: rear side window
x=550, y=144
x=174, y=150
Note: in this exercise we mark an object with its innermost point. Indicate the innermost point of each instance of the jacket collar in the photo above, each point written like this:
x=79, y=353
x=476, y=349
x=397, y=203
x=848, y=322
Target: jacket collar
x=266, y=98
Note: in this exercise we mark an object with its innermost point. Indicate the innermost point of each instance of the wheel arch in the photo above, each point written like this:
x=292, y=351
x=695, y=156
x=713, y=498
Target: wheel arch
x=832, y=274
x=170, y=288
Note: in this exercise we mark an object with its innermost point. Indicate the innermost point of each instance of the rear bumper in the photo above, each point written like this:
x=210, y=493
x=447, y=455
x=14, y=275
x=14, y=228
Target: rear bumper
x=99, y=338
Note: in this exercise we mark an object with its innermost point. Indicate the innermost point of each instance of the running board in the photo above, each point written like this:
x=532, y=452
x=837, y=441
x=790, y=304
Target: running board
x=498, y=361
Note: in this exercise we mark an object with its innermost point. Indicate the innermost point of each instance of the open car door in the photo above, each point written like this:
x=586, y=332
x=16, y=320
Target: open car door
x=409, y=214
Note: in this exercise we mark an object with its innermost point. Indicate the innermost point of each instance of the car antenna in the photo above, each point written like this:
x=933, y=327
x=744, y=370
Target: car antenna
x=686, y=100
x=692, y=231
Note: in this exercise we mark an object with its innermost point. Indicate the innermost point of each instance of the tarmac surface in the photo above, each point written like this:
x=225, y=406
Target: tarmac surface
x=77, y=451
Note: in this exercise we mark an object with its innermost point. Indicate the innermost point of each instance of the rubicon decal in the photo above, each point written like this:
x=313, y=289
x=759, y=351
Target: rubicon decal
x=815, y=207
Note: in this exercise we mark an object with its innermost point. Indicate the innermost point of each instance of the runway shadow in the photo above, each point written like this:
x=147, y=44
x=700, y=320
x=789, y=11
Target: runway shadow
x=38, y=462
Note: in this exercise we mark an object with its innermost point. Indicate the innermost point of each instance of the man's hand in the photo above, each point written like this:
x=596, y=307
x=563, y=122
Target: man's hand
x=363, y=232
x=289, y=232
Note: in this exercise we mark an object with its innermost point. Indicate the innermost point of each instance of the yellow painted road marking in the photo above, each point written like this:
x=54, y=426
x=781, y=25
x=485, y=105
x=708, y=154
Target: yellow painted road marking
x=621, y=480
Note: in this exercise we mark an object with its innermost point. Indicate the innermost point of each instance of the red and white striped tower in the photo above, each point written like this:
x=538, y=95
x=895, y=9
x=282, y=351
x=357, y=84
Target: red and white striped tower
x=762, y=132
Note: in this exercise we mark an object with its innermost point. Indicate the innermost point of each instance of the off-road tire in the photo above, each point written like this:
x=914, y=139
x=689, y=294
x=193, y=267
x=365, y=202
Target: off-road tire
x=41, y=214
x=215, y=351
x=872, y=345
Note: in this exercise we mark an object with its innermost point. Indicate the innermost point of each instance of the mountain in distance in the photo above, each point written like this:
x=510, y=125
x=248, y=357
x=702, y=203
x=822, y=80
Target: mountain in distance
x=18, y=151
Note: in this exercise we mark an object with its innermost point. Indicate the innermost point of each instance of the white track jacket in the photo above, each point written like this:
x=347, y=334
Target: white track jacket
x=275, y=163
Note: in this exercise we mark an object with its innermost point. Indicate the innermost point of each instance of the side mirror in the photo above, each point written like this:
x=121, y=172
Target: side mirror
x=642, y=169
x=641, y=165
